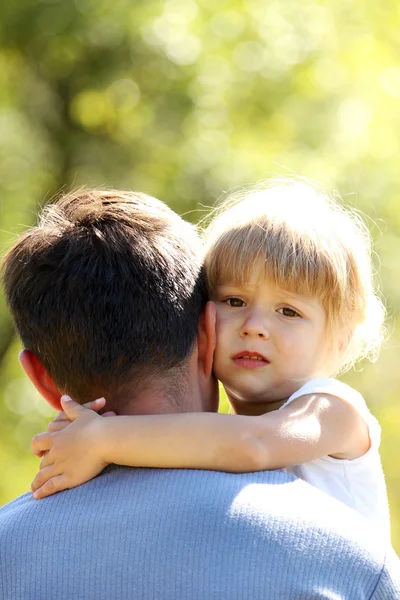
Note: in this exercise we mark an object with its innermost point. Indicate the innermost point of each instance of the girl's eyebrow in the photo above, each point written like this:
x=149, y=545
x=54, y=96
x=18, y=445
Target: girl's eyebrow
x=236, y=286
x=248, y=287
x=308, y=301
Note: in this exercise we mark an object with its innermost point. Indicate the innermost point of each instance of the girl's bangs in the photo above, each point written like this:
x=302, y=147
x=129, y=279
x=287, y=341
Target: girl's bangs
x=287, y=260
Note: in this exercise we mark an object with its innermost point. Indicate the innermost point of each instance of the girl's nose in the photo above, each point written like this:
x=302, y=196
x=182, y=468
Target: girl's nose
x=254, y=328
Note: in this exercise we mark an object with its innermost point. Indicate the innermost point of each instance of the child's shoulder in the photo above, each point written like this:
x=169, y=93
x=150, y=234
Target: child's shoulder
x=328, y=385
x=337, y=388
x=333, y=387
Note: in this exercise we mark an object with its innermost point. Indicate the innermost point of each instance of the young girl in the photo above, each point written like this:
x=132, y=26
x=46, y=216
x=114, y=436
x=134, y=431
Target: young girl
x=289, y=271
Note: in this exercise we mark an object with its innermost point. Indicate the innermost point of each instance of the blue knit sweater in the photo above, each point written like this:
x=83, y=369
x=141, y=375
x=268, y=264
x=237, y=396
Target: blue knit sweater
x=151, y=534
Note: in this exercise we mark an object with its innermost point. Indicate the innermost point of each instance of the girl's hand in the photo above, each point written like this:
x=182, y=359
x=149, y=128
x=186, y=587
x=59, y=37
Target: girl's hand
x=62, y=421
x=71, y=448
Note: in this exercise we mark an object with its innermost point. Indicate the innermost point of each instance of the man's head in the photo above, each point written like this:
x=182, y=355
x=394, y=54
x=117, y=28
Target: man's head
x=106, y=293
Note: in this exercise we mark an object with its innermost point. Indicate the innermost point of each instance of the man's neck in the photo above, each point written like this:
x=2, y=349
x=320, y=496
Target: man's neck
x=152, y=403
x=180, y=391
x=158, y=400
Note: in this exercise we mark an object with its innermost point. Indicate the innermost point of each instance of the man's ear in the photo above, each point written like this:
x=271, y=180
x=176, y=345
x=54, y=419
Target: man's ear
x=40, y=378
x=207, y=337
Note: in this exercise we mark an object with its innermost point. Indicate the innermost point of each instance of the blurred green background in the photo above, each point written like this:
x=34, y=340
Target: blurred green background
x=186, y=99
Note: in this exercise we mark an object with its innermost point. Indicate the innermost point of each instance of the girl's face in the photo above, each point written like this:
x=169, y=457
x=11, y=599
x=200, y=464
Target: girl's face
x=269, y=341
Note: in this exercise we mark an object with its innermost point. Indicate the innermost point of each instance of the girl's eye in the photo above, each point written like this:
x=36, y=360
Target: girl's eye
x=235, y=302
x=288, y=312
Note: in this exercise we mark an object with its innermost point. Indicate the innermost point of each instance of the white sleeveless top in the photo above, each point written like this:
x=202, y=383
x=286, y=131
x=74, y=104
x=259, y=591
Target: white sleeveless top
x=359, y=483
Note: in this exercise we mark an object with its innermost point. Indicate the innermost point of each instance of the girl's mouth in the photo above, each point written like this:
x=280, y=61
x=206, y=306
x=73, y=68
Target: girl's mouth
x=250, y=360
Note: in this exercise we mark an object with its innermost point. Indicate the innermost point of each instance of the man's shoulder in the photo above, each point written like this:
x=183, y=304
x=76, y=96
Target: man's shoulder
x=14, y=518
x=271, y=518
x=14, y=506
x=123, y=495
x=259, y=501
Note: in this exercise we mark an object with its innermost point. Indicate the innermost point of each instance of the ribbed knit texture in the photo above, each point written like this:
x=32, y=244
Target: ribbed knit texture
x=150, y=534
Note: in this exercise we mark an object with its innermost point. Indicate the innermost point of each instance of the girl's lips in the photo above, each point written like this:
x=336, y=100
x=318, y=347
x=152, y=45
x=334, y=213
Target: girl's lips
x=250, y=363
x=250, y=360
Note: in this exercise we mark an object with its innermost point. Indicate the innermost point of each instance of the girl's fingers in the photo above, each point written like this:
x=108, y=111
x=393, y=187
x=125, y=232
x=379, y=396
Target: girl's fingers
x=59, y=422
x=42, y=476
x=46, y=461
x=53, y=485
x=61, y=416
x=73, y=409
x=95, y=405
x=41, y=443
x=58, y=425
x=62, y=421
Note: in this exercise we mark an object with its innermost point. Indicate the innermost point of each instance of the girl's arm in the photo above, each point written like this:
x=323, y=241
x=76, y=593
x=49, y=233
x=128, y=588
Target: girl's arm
x=309, y=427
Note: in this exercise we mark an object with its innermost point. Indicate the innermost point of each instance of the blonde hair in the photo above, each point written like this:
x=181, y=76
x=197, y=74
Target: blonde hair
x=311, y=244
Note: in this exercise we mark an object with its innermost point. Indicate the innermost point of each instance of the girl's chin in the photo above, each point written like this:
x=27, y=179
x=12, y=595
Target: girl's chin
x=245, y=397
x=255, y=408
x=249, y=391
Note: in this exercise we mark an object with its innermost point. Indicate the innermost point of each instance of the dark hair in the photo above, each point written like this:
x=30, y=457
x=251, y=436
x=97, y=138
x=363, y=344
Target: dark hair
x=106, y=290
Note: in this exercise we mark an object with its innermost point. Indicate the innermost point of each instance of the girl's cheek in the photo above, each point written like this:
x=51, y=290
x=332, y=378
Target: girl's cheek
x=219, y=331
x=219, y=314
x=222, y=320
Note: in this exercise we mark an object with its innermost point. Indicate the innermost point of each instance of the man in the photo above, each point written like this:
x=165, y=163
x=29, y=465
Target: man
x=108, y=296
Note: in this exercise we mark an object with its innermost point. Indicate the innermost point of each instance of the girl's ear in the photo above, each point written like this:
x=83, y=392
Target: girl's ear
x=345, y=338
x=207, y=337
x=40, y=378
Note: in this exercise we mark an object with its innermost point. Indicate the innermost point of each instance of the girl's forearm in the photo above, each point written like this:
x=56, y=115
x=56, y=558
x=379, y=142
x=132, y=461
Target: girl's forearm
x=310, y=427
x=191, y=440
